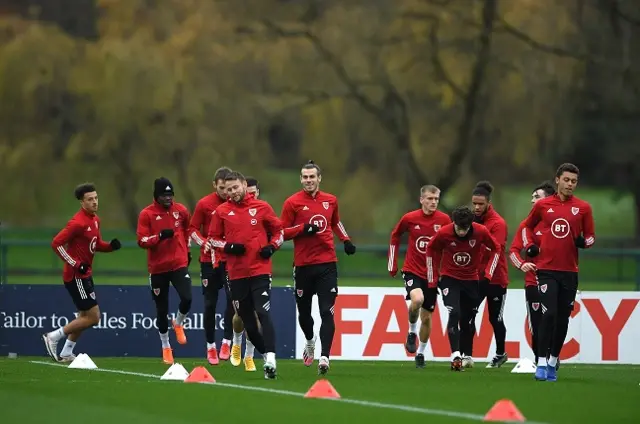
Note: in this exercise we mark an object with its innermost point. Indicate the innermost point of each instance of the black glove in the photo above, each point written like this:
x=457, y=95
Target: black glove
x=580, y=243
x=188, y=258
x=84, y=268
x=165, y=234
x=234, y=249
x=267, y=251
x=485, y=280
x=349, y=248
x=115, y=244
x=310, y=229
x=532, y=251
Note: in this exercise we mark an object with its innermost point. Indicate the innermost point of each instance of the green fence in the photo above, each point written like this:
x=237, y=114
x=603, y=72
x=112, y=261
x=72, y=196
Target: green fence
x=33, y=261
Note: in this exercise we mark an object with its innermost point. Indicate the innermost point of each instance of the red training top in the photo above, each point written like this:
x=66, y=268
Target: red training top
x=169, y=254
x=461, y=256
x=320, y=209
x=565, y=220
x=77, y=243
x=421, y=228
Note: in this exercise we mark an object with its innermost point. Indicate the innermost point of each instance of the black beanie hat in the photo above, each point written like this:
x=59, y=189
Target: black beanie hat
x=162, y=186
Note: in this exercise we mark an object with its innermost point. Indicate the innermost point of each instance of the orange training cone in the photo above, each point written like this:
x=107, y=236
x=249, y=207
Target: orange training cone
x=199, y=375
x=504, y=410
x=322, y=389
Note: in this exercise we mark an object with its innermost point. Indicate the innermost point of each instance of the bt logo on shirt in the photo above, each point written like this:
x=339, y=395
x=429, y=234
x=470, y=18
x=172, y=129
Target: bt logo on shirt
x=461, y=258
x=560, y=228
x=319, y=221
x=421, y=244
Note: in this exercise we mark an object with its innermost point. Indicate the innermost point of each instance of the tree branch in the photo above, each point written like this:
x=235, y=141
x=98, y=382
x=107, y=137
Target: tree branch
x=339, y=69
x=558, y=51
x=437, y=63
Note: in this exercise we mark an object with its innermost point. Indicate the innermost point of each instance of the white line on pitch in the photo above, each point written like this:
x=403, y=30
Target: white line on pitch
x=406, y=408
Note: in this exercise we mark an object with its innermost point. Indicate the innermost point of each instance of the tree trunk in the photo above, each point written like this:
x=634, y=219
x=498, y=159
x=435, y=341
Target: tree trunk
x=465, y=130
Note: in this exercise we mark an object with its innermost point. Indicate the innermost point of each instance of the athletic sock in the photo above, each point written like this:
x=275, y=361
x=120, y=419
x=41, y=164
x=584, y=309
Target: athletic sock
x=67, y=350
x=249, y=349
x=164, y=338
x=180, y=318
x=237, y=338
x=56, y=335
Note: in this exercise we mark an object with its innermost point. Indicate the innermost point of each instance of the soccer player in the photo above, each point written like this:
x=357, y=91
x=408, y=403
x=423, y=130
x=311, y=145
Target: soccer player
x=240, y=228
x=76, y=244
x=310, y=217
x=493, y=289
x=421, y=224
x=570, y=226
x=253, y=187
x=526, y=263
x=238, y=326
x=461, y=246
x=213, y=279
x=163, y=230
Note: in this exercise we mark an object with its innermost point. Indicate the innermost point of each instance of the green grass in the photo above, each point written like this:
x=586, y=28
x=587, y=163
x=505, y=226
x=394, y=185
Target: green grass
x=583, y=394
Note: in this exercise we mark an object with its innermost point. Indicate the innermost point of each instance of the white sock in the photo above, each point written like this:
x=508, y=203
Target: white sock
x=180, y=318
x=312, y=342
x=249, y=349
x=413, y=327
x=56, y=335
x=237, y=338
x=422, y=347
x=271, y=357
x=455, y=354
x=553, y=361
x=211, y=346
x=164, y=338
x=226, y=342
x=542, y=362
x=67, y=350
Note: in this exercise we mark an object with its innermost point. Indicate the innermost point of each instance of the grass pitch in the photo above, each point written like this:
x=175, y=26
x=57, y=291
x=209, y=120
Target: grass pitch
x=128, y=390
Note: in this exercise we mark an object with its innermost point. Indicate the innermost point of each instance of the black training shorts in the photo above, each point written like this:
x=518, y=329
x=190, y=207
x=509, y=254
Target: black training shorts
x=412, y=282
x=82, y=293
x=320, y=279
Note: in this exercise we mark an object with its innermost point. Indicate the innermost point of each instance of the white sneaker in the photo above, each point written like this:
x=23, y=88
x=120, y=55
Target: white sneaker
x=51, y=346
x=308, y=354
x=269, y=370
x=67, y=358
x=323, y=365
x=467, y=362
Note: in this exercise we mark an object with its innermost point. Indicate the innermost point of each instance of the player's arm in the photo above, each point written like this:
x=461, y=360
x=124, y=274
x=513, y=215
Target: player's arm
x=588, y=237
x=493, y=255
x=338, y=228
x=62, y=239
x=273, y=226
x=144, y=232
x=434, y=251
x=187, y=237
x=196, y=223
x=524, y=236
x=103, y=246
x=394, y=245
x=215, y=233
x=534, y=217
x=185, y=226
x=287, y=218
